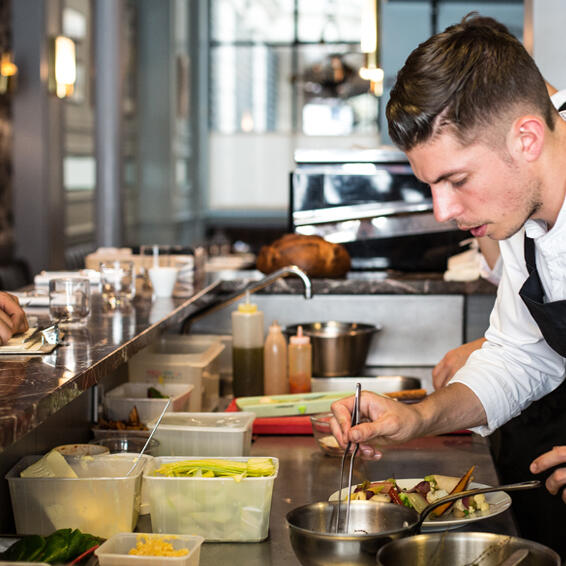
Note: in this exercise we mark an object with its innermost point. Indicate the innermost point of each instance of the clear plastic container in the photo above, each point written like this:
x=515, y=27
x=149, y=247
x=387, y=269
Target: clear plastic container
x=300, y=363
x=178, y=359
x=119, y=401
x=102, y=501
x=219, y=509
x=275, y=381
x=204, y=434
x=114, y=552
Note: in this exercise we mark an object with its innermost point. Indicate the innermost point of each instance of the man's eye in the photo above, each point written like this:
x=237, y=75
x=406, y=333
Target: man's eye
x=459, y=183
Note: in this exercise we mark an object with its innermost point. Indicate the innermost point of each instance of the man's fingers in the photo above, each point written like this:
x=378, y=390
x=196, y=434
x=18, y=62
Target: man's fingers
x=556, y=480
x=549, y=459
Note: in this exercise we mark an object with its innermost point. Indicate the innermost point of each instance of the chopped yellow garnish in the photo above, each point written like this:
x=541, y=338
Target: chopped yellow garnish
x=156, y=546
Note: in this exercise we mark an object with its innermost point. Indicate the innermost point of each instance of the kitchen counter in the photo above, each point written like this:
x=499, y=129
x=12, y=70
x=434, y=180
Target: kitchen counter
x=33, y=388
x=306, y=475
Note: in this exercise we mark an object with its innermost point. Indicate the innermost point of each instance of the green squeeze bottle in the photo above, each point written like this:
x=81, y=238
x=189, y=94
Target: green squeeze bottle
x=247, y=350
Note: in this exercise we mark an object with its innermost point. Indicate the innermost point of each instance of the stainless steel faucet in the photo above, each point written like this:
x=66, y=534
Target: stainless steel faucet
x=283, y=272
x=249, y=289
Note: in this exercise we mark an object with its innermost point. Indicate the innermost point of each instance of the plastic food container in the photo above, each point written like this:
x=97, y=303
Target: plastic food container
x=179, y=359
x=101, y=501
x=114, y=552
x=219, y=509
x=204, y=434
x=119, y=401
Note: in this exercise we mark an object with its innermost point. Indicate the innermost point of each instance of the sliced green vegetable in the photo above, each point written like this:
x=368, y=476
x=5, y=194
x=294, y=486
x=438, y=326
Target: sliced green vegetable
x=254, y=467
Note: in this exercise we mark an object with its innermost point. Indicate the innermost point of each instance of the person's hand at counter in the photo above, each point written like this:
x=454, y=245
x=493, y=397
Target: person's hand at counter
x=12, y=317
x=548, y=460
x=387, y=421
x=452, y=361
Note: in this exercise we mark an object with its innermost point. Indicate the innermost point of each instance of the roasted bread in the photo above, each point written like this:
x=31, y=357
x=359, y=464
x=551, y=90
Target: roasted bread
x=313, y=254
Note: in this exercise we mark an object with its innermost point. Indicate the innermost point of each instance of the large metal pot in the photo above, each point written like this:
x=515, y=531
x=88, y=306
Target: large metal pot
x=312, y=528
x=460, y=549
x=338, y=348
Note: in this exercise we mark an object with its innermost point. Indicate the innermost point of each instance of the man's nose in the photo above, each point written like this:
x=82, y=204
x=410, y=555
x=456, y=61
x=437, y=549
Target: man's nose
x=445, y=204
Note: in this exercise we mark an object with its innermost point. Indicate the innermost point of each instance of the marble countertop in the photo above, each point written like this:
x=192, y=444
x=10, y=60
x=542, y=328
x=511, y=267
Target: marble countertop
x=32, y=388
x=360, y=283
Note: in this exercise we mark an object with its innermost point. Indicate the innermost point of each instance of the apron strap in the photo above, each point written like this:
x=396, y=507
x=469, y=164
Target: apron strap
x=530, y=255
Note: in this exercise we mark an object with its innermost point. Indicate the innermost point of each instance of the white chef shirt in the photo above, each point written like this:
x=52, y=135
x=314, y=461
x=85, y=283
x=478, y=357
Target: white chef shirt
x=515, y=366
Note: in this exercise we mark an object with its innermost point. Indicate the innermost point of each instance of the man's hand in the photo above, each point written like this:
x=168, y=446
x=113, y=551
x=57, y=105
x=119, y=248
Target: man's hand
x=12, y=318
x=446, y=368
x=390, y=422
x=557, y=479
x=393, y=422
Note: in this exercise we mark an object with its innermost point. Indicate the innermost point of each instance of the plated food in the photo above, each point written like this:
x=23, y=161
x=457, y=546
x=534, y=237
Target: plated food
x=419, y=492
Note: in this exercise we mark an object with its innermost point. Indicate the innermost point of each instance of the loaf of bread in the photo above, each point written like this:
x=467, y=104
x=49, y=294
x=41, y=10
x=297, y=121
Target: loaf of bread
x=313, y=254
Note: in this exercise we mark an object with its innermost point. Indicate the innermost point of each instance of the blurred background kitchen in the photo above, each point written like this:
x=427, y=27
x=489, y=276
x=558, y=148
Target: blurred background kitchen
x=178, y=121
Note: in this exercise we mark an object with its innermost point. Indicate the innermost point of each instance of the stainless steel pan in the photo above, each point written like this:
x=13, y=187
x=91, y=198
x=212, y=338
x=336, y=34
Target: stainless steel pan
x=312, y=528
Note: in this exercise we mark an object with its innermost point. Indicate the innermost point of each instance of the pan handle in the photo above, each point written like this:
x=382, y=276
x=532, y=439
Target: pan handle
x=469, y=492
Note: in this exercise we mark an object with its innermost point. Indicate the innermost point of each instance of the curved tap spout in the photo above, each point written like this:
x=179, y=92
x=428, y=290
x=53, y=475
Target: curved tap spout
x=283, y=272
x=251, y=288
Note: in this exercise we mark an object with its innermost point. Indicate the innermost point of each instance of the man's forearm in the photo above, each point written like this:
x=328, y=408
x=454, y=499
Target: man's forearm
x=453, y=407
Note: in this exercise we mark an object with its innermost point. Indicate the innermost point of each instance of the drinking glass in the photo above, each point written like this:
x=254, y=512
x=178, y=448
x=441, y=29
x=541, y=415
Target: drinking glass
x=118, y=282
x=69, y=300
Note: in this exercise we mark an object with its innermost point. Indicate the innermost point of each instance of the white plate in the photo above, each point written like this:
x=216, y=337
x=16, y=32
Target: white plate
x=499, y=501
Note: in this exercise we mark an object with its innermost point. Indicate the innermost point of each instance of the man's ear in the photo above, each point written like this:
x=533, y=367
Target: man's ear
x=527, y=137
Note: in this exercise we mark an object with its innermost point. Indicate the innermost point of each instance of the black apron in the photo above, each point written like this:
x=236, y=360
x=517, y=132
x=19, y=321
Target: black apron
x=540, y=516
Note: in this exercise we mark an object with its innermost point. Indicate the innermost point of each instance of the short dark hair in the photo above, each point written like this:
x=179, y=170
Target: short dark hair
x=472, y=74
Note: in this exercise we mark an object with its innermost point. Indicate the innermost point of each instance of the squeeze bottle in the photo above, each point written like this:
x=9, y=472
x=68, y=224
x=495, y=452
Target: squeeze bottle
x=247, y=349
x=300, y=362
x=275, y=362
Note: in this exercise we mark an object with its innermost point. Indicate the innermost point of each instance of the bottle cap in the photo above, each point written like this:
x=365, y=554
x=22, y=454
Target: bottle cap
x=300, y=338
x=247, y=307
x=274, y=327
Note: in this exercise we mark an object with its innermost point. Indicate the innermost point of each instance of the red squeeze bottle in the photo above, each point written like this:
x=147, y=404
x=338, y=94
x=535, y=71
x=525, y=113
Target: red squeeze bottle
x=300, y=363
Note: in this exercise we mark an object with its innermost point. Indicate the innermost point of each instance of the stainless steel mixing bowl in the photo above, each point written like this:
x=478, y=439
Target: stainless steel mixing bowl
x=459, y=549
x=338, y=348
x=315, y=542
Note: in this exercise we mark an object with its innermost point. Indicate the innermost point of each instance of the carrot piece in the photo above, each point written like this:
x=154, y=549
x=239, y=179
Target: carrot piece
x=460, y=486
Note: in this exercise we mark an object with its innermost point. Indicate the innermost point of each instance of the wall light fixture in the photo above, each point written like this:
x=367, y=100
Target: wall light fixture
x=62, y=66
x=8, y=73
x=369, y=45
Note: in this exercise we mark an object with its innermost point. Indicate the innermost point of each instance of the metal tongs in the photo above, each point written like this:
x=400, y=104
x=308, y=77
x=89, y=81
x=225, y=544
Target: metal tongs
x=47, y=335
x=355, y=421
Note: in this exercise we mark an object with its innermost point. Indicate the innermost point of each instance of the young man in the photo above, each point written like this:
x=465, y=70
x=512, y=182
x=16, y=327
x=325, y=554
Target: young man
x=472, y=113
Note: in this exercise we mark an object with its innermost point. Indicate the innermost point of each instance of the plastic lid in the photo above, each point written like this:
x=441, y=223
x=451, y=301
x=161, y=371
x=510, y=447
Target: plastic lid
x=247, y=307
x=300, y=338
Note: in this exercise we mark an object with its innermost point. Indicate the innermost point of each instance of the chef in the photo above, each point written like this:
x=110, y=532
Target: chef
x=471, y=111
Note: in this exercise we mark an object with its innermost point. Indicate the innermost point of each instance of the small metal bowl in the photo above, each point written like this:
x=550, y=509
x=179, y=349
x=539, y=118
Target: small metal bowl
x=372, y=525
x=338, y=348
